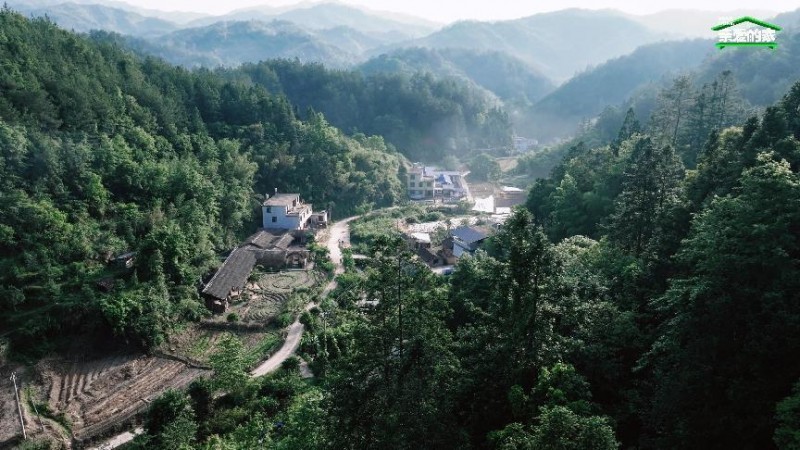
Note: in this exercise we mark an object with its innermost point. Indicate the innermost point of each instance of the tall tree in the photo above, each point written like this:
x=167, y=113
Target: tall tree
x=726, y=355
x=650, y=186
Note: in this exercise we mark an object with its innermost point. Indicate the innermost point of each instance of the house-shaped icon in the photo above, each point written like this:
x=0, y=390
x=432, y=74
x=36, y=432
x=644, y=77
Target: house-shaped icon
x=763, y=35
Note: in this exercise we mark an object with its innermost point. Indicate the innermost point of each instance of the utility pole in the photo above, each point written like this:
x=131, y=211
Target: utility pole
x=19, y=406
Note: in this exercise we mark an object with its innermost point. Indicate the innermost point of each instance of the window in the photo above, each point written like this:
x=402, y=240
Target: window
x=412, y=184
x=413, y=177
x=269, y=209
x=274, y=219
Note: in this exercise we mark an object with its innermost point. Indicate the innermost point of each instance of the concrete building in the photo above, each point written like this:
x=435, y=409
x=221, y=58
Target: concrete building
x=431, y=183
x=288, y=212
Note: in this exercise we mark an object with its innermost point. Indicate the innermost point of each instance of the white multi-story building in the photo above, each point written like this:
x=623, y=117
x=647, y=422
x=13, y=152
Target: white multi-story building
x=286, y=212
x=431, y=183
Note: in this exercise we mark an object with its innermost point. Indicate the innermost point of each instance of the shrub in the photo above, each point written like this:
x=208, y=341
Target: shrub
x=284, y=320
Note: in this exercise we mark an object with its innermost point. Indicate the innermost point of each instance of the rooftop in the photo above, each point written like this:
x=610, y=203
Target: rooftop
x=282, y=200
x=274, y=238
x=232, y=274
x=469, y=235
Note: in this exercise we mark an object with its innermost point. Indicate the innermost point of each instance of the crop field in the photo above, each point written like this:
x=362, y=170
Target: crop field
x=97, y=395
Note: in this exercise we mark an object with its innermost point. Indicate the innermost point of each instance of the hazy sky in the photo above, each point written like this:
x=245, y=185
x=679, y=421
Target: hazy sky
x=451, y=10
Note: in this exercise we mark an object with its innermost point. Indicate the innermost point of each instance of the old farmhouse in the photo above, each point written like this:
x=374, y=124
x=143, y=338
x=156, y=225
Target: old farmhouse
x=279, y=245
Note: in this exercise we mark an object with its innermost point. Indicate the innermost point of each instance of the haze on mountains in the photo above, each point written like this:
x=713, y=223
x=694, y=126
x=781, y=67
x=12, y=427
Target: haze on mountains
x=646, y=295
x=549, y=71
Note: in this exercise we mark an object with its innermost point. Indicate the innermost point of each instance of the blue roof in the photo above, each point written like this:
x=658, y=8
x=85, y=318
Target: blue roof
x=469, y=235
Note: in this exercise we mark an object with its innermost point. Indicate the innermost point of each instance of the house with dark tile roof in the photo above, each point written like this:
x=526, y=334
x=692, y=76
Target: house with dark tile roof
x=272, y=249
x=467, y=239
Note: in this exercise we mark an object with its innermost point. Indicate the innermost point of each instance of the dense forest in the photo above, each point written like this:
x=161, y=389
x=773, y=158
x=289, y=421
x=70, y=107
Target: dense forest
x=425, y=117
x=425, y=114
x=647, y=297
x=104, y=153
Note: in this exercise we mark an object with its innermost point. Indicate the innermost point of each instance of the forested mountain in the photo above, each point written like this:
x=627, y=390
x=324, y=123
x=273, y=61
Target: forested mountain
x=84, y=18
x=678, y=23
x=233, y=43
x=509, y=78
x=424, y=117
x=647, y=298
x=558, y=43
x=586, y=94
x=104, y=152
x=763, y=75
x=178, y=17
x=325, y=15
x=336, y=34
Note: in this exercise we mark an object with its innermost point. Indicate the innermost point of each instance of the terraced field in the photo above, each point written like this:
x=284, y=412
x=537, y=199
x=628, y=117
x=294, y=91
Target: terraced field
x=264, y=307
x=285, y=282
x=97, y=395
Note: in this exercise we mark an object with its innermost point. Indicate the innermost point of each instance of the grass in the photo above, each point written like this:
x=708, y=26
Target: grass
x=43, y=409
x=263, y=348
x=200, y=347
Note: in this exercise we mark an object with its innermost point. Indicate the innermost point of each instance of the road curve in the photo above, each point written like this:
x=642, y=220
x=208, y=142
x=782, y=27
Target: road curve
x=339, y=233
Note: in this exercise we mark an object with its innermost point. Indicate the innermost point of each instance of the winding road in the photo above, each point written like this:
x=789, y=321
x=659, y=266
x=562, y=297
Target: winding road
x=339, y=232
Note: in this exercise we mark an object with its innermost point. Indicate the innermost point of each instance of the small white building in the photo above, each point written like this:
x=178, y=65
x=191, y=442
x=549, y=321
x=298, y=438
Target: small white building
x=286, y=212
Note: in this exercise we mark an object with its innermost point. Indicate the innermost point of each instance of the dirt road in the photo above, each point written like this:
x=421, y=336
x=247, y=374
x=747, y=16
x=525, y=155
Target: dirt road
x=339, y=235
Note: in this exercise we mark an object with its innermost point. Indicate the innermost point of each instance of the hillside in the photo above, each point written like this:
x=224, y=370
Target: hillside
x=558, y=43
x=611, y=83
x=179, y=17
x=763, y=76
x=105, y=153
x=426, y=118
x=509, y=78
x=87, y=17
x=232, y=43
x=320, y=16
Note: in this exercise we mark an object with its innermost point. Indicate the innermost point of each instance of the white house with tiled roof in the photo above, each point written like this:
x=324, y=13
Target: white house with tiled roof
x=286, y=212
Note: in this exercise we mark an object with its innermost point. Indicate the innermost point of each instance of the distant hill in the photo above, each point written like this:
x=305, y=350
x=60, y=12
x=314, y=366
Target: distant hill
x=178, y=17
x=508, y=78
x=354, y=41
x=84, y=18
x=790, y=20
x=321, y=16
x=764, y=75
x=585, y=95
x=232, y=43
x=558, y=43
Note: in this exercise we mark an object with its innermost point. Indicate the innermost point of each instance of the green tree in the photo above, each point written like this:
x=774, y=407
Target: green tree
x=393, y=388
x=170, y=422
x=787, y=432
x=650, y=187
x=229, y=363
x=712, y=385
x=484, y=168
x=560, y=428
